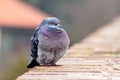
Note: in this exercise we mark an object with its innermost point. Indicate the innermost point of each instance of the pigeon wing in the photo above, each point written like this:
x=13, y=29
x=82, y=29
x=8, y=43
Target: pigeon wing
x=34, y=49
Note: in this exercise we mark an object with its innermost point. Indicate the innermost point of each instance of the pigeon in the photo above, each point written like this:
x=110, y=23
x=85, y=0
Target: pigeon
x=48, y=43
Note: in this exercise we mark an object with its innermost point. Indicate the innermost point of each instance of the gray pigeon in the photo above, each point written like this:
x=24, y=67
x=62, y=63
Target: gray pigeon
x=48, y=43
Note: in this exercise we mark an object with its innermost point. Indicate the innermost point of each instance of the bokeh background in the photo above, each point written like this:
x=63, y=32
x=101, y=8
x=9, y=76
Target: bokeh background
x=18, y=18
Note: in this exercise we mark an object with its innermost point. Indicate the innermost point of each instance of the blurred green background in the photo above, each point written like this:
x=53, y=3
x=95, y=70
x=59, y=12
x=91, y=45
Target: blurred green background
x=18, y=18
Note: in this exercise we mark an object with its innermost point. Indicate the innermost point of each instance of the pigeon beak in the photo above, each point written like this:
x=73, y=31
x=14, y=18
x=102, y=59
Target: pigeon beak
x=60, y=26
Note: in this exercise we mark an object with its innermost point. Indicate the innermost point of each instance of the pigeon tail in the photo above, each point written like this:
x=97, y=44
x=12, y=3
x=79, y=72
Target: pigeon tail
x=32, y=64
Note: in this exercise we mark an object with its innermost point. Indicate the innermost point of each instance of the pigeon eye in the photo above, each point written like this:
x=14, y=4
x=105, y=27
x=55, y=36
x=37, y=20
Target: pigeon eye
x=52, y=23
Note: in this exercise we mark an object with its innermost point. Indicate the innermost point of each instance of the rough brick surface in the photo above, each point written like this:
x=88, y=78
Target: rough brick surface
x=97, y=57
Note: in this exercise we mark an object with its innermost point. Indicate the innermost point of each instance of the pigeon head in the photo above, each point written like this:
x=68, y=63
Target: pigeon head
x=52, y=25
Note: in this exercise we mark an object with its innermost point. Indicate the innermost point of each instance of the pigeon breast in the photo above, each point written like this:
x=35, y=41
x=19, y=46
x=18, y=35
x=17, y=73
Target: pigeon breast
x=53, y=42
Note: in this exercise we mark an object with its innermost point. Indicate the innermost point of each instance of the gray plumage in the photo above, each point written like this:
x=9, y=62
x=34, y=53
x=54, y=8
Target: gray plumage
x=48, y=43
